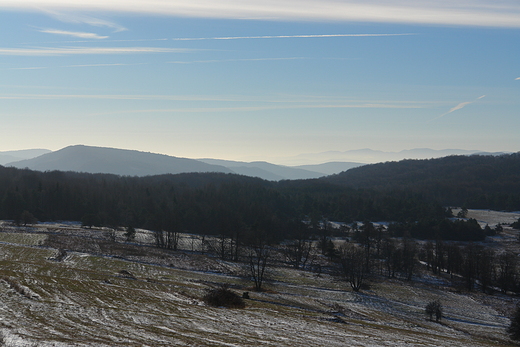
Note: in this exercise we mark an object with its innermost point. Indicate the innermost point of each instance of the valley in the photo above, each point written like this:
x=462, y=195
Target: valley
x=97, y=291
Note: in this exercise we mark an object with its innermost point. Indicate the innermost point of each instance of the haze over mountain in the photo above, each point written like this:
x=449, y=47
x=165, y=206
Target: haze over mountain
x=332, y=167
x=114, y=161
x=274, y=172
x=370, y=156
x=134, y=163
x=11, y=156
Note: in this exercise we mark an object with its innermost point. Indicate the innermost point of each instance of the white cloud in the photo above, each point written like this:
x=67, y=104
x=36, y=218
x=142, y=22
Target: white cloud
x=75, y=18
x=70, y=66
x=104, y=65
x=517, y=79
x=87, y=50
x=284, y=37
x=497, y=13
x=81, y=35
x=28, y=68
x=459, y=106
x=263, y=108
x=118, y=97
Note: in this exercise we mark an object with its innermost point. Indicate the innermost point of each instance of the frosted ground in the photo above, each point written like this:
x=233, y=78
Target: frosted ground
x=491, y=217
x=48, y=298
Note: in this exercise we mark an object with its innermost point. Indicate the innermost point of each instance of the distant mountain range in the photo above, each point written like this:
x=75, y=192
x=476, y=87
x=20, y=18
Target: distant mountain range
x=123, y=162
x=12, y=156
x=370, y=156
x=274, y=172
x=114, y=161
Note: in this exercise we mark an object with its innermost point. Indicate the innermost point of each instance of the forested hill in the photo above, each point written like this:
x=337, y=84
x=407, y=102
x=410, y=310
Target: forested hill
x=213, y=203
x=477, y=181
x=197, y=202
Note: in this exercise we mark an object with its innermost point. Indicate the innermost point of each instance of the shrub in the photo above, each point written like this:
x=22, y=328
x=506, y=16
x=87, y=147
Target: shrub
x=434, y=308
x=223, y=297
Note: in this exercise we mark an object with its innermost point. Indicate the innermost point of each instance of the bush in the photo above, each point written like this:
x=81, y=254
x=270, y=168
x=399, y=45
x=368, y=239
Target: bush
x=434, y=308
x=223, y=297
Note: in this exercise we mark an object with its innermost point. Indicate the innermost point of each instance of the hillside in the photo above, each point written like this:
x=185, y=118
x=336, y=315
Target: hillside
x=135, y=163
x=477, y=181
x=267, y=170
x=62, y=285
x=114, y=161
x=370, y=156
x=200, y=202
x=11, y=156
x=331, y=168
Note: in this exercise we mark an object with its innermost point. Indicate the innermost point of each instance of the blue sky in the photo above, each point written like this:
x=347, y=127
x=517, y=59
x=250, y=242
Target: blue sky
x=260, y=80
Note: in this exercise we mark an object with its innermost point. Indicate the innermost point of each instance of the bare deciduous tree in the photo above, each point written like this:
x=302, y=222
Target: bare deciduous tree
x=353, y=264
x=258, y=256
x=299, y=252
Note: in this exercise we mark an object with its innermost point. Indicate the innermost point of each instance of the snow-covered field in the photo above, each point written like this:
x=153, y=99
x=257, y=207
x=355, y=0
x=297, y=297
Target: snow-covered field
x=490, y=217
x=86, y=299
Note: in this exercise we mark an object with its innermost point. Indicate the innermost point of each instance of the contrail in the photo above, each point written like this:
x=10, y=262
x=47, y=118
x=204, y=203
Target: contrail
x=284, y=37
x=81, y=35
x=458, y=107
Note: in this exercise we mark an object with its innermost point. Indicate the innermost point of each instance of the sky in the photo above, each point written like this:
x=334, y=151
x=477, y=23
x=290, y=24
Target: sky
x=260, y=79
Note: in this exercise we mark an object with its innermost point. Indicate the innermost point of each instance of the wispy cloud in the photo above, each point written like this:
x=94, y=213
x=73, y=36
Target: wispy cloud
x=246, y=109
x=284, y=36
x=118, y=97
x=262, y=108
x=75, y=18
x=74, y=66
x=88, y=51
x=290, y=101
x=459, y=106
x=81, y=35
x=517, y=79
x=28, y=68
x=234, y=60
x=497, y=13
x=103, y=65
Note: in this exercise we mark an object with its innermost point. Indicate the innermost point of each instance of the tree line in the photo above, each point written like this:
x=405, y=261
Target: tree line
x=476, y=181
x=247, y=216
x=200, y=203
x=469, y=265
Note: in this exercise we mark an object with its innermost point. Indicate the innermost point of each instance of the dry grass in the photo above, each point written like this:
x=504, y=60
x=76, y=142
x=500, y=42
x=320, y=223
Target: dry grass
x=89, y=299
x=19, y=288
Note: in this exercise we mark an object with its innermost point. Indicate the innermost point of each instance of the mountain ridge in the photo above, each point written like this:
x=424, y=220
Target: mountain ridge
x=278, y=172
x=81, y=158
x=17, y=155
x=126, y=162
x=478, y=181
x=369, y=156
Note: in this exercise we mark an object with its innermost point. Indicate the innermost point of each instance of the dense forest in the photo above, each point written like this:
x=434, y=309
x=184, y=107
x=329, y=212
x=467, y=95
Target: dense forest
x=476, y=181
x=410, y=193
x=200, y=203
